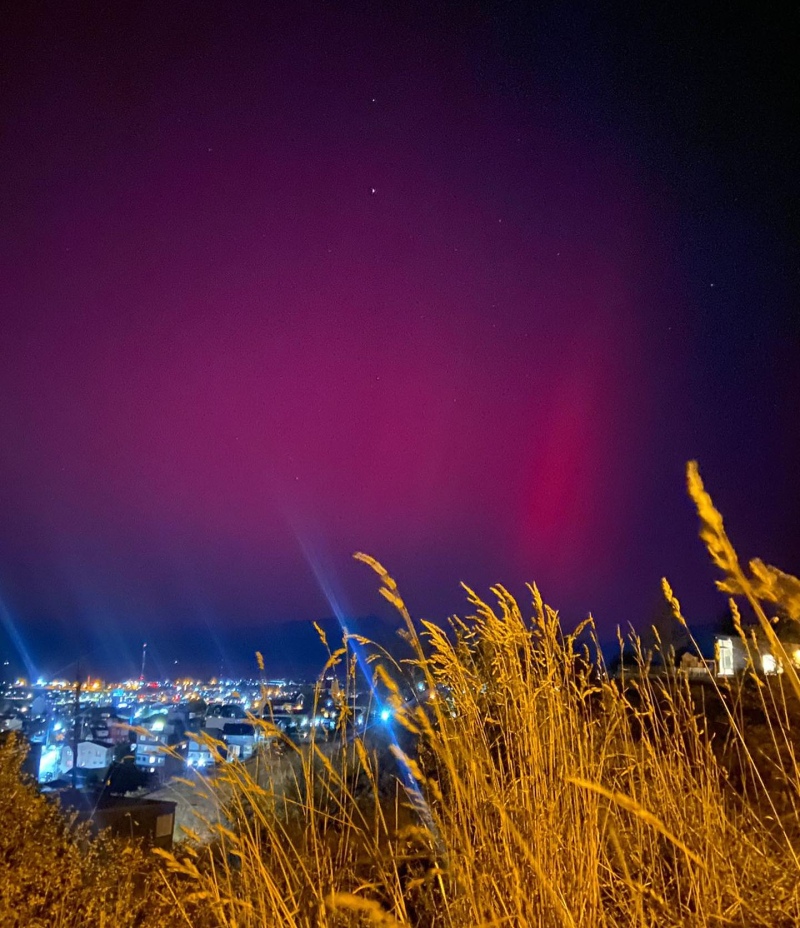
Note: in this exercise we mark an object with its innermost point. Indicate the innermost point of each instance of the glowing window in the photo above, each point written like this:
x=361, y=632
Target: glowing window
x=769, y=664
x=725, y=657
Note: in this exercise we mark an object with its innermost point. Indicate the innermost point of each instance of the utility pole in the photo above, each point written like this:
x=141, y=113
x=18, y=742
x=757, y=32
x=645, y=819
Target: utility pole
x=76, y=734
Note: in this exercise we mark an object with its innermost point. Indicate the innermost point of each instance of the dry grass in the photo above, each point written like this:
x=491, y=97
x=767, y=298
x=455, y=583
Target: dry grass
x=523, y=789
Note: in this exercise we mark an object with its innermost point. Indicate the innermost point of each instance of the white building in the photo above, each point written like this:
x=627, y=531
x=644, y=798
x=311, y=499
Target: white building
x=92, y=755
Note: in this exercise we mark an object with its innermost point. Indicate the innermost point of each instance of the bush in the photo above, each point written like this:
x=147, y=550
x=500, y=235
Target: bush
x=56, y=875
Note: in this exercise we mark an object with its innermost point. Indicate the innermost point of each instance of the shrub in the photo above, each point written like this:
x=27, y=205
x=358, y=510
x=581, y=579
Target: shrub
x=56, y=875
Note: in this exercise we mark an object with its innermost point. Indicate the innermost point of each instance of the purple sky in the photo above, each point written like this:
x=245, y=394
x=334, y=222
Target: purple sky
x=464, y=292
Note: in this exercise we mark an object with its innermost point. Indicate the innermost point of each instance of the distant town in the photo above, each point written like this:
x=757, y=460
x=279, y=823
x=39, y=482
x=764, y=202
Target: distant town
x=137, y=734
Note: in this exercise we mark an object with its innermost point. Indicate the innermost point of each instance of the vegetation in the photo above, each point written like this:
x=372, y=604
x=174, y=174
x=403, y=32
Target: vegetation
x=521, y=787
x=53, y=874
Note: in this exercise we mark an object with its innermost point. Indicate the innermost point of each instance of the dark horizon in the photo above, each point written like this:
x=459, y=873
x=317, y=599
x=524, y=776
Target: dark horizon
x=460, y=288
x=290, y=649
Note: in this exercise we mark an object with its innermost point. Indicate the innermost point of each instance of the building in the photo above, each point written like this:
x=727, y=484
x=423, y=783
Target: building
x=217, y=717
x=153, y=820
x=95, y=755
x=92, y=756
x=113, y=729
x=158, y=740
x=734, y=653
x=150, y=753
x=198, y=755
x=241, y=739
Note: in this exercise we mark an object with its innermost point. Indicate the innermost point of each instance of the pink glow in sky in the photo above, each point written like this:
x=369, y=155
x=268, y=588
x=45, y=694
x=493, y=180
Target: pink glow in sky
x=285, y=283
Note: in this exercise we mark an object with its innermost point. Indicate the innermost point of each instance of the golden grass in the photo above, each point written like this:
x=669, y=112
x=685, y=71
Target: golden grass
x=524, y=788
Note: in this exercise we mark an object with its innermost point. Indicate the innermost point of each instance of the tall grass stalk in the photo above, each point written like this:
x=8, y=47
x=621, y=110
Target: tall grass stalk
x=544, y=793
x=517, y=785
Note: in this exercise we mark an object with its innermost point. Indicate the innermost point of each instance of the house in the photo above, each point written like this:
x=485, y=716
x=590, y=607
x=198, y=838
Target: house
x=119, y=731
x=218, y=716
x=733, y=653
x=241, y=739
x=92, y=755
x=158, y=724
x=730, y=655
x=95, y=755
x=199, y=755
x=153, y=820
x=159, y=741
x=695, y=667
x=150, y=753
x=114, y=730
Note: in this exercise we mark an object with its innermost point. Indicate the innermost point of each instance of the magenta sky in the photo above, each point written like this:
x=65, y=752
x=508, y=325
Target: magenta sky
x=361, y=281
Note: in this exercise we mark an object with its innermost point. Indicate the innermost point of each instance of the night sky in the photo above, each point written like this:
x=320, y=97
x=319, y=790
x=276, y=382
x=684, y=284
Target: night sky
x=462, y=286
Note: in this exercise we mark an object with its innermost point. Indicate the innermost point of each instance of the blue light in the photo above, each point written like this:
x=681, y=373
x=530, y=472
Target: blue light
x=11, y=630
x=326, y=585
